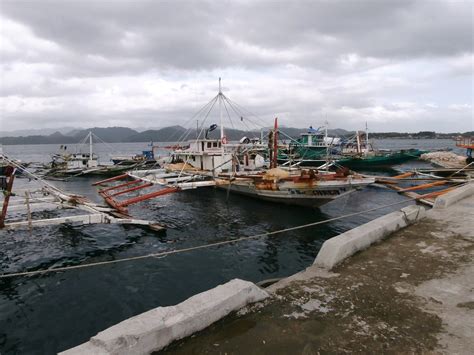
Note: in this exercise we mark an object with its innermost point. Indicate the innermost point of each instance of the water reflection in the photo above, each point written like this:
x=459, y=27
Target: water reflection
x=52, y=312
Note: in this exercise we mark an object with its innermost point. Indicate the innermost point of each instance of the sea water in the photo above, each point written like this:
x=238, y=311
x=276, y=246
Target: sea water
x=48, y=313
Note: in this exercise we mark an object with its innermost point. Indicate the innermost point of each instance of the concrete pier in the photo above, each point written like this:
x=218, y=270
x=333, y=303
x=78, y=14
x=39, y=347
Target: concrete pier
x=411, y=293
x=337, y=249
x=153, y=330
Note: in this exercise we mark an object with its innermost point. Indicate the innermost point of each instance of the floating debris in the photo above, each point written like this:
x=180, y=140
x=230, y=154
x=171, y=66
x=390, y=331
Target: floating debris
x=445, y=159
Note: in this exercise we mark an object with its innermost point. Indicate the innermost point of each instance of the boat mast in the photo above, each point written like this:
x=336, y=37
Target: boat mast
x=90, y=146
x=358, y=142
x=275, y=145
x=366, y=139
x=220, y=115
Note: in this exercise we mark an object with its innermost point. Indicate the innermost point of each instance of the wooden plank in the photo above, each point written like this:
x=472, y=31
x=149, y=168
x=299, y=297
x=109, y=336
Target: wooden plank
x=425, y=186
x=82, y=219
x=7, y=193
x=119, y=177
x=125, y=184
x=438, y=193
x=404, y=175
x=135, y=188
x=40, y=206
x=147, y=196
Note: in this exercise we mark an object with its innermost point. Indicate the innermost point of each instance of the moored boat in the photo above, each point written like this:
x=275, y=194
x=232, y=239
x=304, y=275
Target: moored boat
x=66, y=164
x=310, y=149
x=379, y=158
x=301, y=187
x=145, y=158
x=359, y=153
x=239, y=168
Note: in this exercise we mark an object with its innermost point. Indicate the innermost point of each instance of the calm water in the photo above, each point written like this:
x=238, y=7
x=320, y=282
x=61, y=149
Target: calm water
x=50, y=313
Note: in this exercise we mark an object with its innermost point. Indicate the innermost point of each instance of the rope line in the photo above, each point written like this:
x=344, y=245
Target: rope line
x=204, y=246
x=32, y=175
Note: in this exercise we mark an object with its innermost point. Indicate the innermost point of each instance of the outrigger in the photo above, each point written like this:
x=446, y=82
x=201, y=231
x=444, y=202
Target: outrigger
x=85, y=163
x=423, y=187
x=19, y=204
x=240, y=167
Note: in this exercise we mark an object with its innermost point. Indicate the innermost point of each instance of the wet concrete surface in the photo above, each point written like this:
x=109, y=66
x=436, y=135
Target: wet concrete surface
x=412, y=293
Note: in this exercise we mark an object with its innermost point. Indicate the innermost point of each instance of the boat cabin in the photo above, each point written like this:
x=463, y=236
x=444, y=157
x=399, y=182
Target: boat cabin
x=205, y=154
x=212, y=155
x=82, y=161
x=318, y=139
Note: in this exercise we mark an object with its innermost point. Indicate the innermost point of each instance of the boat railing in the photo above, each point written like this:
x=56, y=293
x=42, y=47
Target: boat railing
x=465, y=142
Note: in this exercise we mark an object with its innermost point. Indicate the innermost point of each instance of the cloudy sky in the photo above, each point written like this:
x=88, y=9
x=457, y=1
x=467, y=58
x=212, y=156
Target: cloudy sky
x=399, y=65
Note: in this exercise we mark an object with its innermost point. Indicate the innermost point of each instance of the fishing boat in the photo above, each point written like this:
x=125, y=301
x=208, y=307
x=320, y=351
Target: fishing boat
x=380, y=158
x=301, y=187
x=145, y=158
x=240, y=168
x=310, y=149
x=66, y=164
x=359, y=153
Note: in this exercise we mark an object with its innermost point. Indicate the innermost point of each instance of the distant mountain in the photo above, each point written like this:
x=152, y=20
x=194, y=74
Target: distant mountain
x=36, y=132
x=167, y=134
x=55, y=138
x=178, y=133
x=107, y=134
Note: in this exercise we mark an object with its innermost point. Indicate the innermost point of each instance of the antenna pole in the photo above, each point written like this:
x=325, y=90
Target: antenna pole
x=274, y=162
x=366, y=139
x=358, y=142
x=220, y=109
x=90, y=145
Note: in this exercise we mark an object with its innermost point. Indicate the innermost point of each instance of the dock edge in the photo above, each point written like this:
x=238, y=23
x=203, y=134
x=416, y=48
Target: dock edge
x=153, y=330
x=335, y=250
x=450, y=198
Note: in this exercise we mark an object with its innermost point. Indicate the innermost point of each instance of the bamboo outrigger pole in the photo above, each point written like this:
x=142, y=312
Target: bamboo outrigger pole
x=9, y=176
x=274, y=161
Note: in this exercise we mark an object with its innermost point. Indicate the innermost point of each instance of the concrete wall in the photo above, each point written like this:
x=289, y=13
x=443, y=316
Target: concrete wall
x=336, y=249
x=446, y=200
x=155, y=329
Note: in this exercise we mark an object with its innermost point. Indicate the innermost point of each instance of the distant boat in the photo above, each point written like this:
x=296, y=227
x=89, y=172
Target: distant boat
x=146, y=158
x=82, y=163
x=310, y=149
x=359, y=153
x=380, y=158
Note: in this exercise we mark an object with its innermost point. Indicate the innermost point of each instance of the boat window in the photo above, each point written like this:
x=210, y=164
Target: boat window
x=219, y=144
x=214, y=144
x=209, y=144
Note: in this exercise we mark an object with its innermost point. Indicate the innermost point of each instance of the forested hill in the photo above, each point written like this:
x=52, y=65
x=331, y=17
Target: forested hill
x=178, y=133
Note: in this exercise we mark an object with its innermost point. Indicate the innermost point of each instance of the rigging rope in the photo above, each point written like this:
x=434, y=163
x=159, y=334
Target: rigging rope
x=186, y=133
x=34, y=176
x=243, y=109
x=204, y=246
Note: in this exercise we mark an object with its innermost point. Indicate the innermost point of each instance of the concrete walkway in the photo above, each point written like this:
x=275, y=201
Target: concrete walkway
x=414, y=292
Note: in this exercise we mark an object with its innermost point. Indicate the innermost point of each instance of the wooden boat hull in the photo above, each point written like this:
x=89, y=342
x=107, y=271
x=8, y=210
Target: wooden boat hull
x=100, y=171
x=280, y=197
x=311, y=195
x=380, y=160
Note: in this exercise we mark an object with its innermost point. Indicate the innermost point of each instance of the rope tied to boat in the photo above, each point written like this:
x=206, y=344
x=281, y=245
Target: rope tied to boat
x=198, y=247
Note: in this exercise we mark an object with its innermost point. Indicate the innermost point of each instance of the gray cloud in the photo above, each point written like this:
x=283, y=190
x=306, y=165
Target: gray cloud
x=110, y=60
x=201, y=34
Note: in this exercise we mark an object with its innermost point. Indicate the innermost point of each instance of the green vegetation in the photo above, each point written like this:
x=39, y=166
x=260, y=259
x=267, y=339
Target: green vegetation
x=176, y=133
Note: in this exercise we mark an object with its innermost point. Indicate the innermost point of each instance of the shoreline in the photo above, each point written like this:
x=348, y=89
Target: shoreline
x=324, y=284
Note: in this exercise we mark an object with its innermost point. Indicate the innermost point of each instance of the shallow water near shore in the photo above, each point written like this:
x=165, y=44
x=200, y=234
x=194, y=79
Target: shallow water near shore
x=55, y=311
